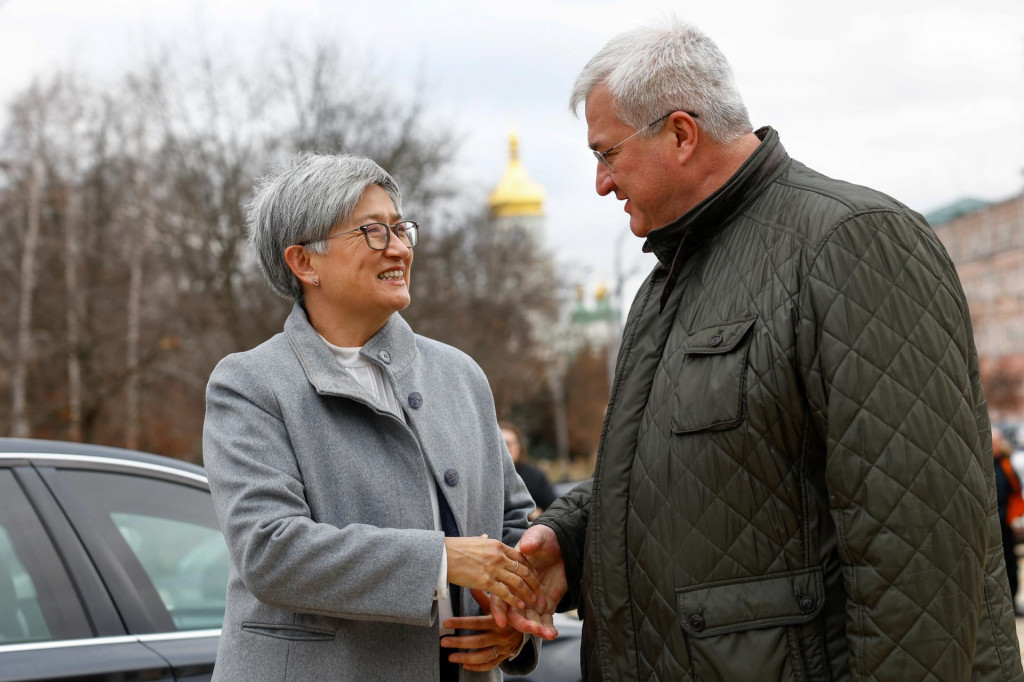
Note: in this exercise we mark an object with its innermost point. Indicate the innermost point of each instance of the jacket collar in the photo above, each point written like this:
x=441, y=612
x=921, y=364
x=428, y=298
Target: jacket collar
x=393, y=348
x=672, y=243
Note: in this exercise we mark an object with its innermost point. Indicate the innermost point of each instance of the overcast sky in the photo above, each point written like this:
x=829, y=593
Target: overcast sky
x=922, y=99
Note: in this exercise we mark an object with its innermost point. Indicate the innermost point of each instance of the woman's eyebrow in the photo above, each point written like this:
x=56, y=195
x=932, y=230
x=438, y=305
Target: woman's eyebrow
x=373, y=217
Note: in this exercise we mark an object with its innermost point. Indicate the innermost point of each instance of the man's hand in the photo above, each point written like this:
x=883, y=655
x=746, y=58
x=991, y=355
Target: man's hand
x=488, y=646
x=540, y=546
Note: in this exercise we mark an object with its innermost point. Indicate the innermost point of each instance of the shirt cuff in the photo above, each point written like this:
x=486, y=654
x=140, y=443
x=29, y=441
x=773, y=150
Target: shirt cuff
x=522, y=643
x=441, y=588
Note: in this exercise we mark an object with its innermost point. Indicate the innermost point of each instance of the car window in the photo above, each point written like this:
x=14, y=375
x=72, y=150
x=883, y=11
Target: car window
x=187, y=563
x=163, y=536
x=37, y=602
x=21, y=619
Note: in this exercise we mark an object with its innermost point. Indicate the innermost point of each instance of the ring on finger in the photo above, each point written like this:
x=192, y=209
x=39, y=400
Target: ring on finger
x=515, y=569
x=495, y=652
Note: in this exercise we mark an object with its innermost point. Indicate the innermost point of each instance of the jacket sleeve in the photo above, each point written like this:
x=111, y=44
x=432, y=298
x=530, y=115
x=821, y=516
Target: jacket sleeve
x=888, y=363
x=568, y=517
x=283, y=556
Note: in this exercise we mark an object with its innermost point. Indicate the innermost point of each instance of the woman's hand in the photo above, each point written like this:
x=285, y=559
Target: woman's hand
x=491, y=566
x=488, y=647
x=541, y=545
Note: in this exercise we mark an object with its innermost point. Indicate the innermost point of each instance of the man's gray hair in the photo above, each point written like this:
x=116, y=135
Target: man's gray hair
x=652, y=71
x=301, y=201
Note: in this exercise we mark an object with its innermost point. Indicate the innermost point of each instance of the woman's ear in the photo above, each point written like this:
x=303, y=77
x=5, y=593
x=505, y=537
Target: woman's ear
x=299, y=263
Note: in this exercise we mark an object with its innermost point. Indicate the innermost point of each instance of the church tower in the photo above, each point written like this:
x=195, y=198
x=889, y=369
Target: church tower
x=517, y=203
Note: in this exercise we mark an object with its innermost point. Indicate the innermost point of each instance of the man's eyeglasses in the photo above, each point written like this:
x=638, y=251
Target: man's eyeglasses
x=603, y=156
x=378, y=235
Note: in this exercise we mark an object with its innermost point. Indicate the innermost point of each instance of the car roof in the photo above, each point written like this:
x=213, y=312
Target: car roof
x=34, y=446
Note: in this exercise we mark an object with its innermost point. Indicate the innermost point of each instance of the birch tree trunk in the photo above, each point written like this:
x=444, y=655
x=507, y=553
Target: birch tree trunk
x=72, y=251
x=136, y=277
x=556, y=384
x=132, y=410
x=23, y=350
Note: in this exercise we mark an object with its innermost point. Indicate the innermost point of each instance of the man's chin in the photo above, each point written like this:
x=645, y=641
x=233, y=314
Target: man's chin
x=639, y=227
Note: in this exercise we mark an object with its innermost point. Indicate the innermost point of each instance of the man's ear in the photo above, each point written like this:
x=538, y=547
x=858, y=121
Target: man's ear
x=686, y=133
x=298, y=262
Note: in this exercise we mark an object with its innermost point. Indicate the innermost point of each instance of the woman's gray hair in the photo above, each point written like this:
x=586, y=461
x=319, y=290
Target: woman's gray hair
x=652, y=71
x=300, y=202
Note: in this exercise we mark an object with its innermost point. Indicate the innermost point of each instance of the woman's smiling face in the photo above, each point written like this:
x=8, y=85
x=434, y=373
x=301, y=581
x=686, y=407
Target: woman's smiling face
x=363, y=285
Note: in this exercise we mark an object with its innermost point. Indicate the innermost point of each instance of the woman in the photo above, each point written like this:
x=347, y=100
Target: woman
x=357, y=468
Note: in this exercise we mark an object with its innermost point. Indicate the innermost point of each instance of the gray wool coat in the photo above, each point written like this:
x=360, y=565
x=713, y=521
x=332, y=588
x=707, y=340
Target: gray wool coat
x=323, y=497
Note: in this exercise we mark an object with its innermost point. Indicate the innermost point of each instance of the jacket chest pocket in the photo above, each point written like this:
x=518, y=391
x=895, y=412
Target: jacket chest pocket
x=710, y=384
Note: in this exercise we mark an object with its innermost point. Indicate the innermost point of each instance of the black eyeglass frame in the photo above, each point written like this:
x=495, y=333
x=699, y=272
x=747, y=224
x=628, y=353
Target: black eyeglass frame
x=603, y=156
x=410, y=228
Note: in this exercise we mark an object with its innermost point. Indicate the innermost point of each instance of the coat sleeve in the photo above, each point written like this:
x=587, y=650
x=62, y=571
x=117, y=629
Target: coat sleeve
x=517, y=506
x=889, y=367
x=568, y=517
x=283, y=556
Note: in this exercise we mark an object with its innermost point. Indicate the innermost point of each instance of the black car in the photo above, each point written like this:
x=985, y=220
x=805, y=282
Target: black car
x=112, y=567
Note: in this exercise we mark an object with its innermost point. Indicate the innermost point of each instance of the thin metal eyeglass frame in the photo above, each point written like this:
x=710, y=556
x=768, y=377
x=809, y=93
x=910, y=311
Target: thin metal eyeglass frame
x=412, y=233
x=603, y=156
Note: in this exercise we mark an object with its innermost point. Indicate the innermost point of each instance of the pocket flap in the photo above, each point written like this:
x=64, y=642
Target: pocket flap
x=721, y=338
x=297, y=633
x=749, y=603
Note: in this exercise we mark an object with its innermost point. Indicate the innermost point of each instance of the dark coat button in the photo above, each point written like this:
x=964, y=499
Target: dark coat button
x=697, y=623
x=806, y=604
x=415, y=400
x=385, y=356
x=451, y=477
x=716, y=340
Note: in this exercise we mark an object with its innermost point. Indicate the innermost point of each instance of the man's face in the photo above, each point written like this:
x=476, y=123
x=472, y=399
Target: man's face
x=643, y=176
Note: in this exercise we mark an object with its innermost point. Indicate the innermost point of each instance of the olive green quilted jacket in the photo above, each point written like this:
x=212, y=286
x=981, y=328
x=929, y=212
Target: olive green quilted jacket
x=795, y=479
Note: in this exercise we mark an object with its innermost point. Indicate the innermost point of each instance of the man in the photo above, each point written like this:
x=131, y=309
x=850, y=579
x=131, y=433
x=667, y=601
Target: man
x=795, y=478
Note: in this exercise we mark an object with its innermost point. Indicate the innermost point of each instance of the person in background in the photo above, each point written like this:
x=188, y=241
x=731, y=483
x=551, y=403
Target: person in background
x=534, y=478
x=357, y=468
x=1011, y=507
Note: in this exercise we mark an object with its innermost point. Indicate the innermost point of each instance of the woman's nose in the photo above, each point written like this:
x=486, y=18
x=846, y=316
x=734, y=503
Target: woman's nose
x=397, y=248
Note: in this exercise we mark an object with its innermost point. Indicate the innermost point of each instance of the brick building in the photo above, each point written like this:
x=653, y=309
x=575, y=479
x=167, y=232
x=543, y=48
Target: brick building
x=986, y=242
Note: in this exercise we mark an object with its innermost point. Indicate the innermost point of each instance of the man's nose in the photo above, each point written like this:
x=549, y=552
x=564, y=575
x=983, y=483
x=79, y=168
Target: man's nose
x=604, y=183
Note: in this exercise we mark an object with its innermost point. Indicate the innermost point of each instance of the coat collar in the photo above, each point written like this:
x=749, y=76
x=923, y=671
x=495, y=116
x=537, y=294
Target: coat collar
x=392, y=349
x=672, y=243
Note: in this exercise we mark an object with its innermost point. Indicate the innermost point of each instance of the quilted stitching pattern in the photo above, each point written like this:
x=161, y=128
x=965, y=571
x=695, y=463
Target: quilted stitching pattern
x=899, y=418
x=859, y=373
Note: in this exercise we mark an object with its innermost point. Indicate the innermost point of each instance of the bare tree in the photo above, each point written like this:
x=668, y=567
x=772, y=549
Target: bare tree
x=72, y=256
x=22, y=355
x=487, y=291
x=139, y=188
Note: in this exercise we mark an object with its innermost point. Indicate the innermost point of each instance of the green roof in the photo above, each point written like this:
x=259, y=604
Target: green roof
x=957, y=209
x=601, y=311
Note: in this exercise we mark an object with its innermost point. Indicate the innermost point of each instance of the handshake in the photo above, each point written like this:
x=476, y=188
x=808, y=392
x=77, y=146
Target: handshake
x=541, y=550
x=526, y=583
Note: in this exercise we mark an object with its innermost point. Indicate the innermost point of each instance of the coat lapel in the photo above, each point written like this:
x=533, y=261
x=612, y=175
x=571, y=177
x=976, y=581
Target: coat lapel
x=390, y=348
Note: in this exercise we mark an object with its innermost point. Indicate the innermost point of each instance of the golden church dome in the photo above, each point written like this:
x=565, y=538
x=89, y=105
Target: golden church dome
x=517, y=194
